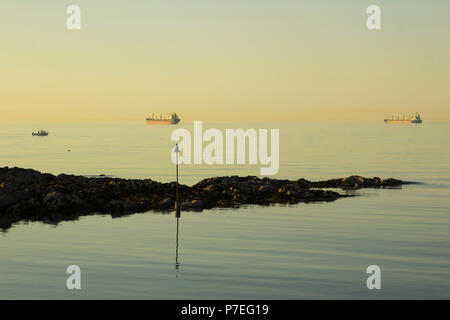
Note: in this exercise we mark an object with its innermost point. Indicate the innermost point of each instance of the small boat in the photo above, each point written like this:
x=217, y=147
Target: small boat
x=41, y=133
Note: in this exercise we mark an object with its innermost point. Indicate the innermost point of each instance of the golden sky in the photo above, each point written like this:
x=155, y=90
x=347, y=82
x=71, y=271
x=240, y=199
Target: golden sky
x=246, y=60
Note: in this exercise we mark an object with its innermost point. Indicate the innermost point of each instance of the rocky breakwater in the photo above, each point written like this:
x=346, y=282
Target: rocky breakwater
x=29, y=195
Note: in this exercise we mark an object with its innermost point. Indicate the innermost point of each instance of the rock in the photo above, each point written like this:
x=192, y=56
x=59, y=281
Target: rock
x=56, y=201
x=302, y=183
x=196, y=204
x=29, y=194
x=129, y=205
x=114, y=205
x=166, y=203
x=265, y=188
x=6, y=200
x=353, y=182
x=391, y=182
x=10, y=195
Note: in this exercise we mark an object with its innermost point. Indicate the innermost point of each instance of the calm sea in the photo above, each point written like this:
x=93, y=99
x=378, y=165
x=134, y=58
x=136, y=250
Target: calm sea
x=315, y=251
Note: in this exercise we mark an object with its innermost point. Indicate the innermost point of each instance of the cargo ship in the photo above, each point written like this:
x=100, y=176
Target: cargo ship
x=171, y=118
x=411, y=119
x=40, y=133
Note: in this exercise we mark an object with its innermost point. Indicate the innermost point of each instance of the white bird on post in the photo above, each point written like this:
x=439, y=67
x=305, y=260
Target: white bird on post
x=177, y=202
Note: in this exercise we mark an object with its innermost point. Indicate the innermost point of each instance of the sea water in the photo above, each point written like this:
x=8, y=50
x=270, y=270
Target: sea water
x=304, y=251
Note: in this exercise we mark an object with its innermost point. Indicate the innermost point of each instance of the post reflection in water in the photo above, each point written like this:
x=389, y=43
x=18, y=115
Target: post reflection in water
x=177, y=264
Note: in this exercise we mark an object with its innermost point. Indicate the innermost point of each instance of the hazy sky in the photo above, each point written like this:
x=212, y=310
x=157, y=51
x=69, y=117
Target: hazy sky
x=224, y=60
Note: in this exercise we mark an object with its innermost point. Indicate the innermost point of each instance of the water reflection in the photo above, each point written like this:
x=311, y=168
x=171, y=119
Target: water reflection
x=177, y=263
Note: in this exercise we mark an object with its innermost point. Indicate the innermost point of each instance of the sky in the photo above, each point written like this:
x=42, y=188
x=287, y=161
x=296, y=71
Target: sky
x=217, y=60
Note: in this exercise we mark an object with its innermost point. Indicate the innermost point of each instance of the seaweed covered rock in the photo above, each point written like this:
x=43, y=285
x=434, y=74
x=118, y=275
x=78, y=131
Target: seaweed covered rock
x=27, y=194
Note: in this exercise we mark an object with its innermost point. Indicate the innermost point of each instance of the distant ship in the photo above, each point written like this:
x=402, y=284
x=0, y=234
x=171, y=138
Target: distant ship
x=411, y=119
x=41, y=133
x=171, y=118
